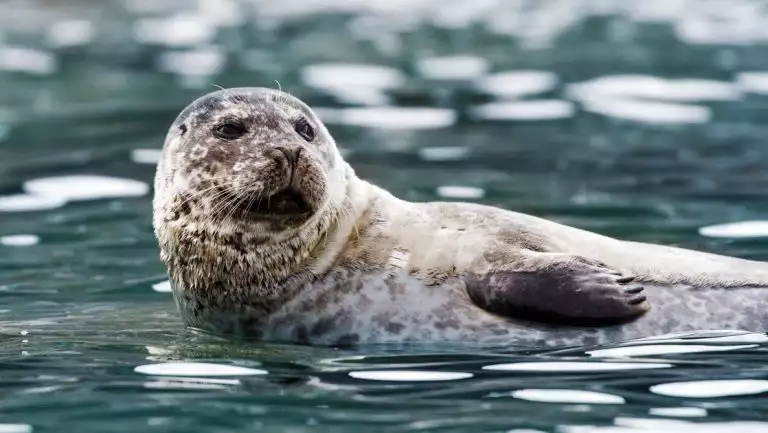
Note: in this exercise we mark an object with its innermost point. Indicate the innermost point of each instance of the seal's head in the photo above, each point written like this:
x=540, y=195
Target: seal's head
x=248, y=188
x=248, y=156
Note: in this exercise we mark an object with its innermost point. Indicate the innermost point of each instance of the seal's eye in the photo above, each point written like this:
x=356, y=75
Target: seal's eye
x=304, y=129
x=229, y=131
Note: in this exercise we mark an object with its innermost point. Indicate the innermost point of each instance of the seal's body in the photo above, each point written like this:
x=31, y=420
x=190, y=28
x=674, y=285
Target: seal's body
x=267, y=232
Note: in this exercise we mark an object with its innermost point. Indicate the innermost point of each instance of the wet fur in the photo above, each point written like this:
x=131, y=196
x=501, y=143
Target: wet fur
x=367, y=267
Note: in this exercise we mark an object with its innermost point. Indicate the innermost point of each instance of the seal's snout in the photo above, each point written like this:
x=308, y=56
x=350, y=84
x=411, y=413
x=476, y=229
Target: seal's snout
x=291, y=154
x=290, y=159
x=286, y=202
x=282, y=188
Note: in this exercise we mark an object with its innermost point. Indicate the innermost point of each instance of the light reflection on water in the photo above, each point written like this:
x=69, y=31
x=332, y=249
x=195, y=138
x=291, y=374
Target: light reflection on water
x=637, y=119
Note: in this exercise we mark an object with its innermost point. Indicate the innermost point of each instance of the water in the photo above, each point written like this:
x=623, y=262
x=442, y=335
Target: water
x=643, y=120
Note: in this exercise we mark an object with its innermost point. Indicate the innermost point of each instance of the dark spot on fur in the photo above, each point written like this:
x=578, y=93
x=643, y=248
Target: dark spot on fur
x=499, y=331
x=447, y=322
x=302, y=336
x=347, y=340
x=323, y=326
x=395, y=328
x=589, y=340
x=522, y=238
x=184, y=207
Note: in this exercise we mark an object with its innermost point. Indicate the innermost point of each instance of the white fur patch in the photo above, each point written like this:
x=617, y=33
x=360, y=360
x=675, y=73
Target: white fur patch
x=198, y=152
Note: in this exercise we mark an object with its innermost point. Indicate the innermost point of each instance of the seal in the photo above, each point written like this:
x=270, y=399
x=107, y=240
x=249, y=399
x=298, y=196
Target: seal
x=268, y=233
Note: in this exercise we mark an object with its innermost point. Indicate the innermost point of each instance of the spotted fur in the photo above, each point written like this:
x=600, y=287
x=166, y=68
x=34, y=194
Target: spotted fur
x=364, y=266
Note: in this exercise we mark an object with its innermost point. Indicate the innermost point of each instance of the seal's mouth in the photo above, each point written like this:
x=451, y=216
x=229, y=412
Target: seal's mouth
x=289, y=201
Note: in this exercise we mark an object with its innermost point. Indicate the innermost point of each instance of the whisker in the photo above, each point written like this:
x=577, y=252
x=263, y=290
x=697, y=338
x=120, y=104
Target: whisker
x=223, y=206
x=196, y=194
x=250, y=204
x=237, y=204
x=279, y=89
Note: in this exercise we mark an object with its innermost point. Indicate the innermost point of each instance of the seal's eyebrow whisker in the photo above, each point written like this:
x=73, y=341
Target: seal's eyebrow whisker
x=279, y=89
x=282, y=97
x=225, y=90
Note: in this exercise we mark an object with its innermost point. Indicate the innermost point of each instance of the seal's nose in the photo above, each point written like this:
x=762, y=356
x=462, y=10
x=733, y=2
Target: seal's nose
x=292, y=155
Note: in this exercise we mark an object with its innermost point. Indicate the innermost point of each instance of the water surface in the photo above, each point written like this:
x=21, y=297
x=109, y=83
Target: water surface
x=642, y=120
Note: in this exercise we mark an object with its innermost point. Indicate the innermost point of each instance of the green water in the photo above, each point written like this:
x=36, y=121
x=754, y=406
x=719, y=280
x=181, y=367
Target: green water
x=89, y=88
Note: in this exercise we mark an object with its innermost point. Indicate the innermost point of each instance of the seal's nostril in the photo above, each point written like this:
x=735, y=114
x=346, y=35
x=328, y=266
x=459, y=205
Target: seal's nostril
x=291, y=154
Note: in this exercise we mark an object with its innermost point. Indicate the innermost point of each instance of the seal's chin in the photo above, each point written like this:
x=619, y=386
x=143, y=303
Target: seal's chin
x=287, y=202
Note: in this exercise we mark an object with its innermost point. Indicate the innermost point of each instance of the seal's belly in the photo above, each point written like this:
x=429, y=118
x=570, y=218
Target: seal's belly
x=402, y=309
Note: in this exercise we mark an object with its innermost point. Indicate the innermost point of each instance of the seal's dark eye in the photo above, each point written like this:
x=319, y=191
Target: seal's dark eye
x=229, y=131
x=304, y=129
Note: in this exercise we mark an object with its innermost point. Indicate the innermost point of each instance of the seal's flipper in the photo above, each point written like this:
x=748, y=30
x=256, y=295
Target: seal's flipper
x=568, y=291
